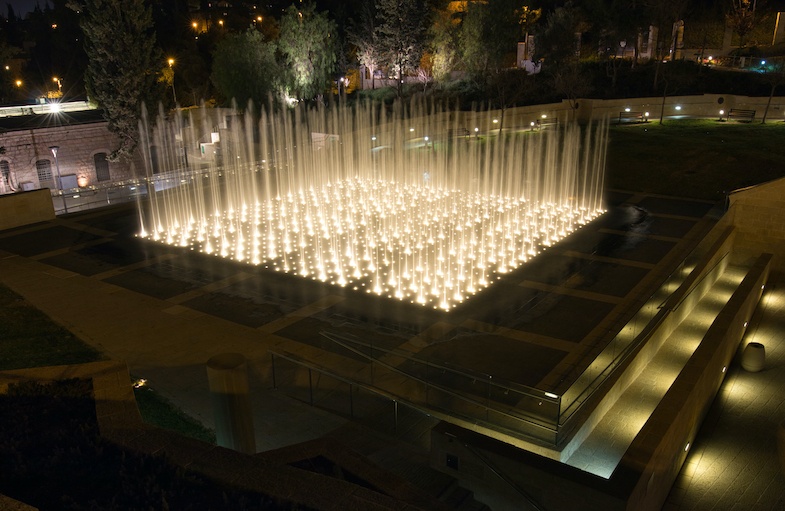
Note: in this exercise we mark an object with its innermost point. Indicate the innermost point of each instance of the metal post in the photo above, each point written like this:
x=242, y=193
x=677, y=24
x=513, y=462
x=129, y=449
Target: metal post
x=54, y=149
x=395, y=405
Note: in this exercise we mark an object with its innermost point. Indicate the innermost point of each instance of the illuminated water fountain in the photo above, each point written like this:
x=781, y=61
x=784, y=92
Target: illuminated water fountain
x=411, y=204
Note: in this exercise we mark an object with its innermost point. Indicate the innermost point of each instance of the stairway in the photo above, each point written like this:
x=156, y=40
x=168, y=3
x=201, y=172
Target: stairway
x=601, y=451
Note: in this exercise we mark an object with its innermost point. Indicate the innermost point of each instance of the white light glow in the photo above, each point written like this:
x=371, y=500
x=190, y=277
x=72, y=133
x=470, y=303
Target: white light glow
x=431, y=224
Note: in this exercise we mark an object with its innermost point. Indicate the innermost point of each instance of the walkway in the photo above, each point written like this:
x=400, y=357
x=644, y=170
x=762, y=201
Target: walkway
x=733, y=465
x=602, y=450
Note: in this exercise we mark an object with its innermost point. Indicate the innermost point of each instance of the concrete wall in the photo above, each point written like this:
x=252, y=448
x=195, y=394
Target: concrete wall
x=758, y=213
x=25, y=208
x=653, y=461
x=677, y=307
x=78, y=146
x=507, y=478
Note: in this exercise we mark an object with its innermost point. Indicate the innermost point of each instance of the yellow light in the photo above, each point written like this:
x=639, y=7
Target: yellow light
x=170, y=61
x=18, y=83
x=195, y=25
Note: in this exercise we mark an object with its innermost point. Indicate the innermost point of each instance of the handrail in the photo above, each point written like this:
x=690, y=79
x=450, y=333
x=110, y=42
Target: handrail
x=646, y=331
x=489, y=378
x=441, y=388
x=388, y=395
x=504, y=478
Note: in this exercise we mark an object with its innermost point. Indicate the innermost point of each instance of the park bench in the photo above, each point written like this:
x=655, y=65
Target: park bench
x=632, y=117
x=548, y=121
x=741, y=114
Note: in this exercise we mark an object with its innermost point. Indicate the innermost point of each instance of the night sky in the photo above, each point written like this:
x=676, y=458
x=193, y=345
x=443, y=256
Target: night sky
x=21, y=7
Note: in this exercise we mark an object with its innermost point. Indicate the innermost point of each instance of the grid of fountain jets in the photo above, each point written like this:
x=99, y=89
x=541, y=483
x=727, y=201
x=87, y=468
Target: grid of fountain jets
x=390, y=203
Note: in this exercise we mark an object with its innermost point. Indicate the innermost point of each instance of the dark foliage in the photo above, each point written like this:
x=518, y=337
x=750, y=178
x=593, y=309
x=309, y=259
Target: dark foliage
x=52, y=457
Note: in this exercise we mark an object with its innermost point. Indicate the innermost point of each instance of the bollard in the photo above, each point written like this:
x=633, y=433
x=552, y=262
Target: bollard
x=753, y=358
x=227, y=375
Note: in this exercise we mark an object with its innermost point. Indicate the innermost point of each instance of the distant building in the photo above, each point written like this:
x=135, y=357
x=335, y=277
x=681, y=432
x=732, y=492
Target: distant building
x=27, y=135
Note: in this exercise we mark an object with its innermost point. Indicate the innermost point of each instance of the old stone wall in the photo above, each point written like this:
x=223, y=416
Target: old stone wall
x=78, y=147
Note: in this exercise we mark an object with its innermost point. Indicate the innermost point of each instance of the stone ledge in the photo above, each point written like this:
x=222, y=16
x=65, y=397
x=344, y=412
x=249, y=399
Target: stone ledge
x=120, y=422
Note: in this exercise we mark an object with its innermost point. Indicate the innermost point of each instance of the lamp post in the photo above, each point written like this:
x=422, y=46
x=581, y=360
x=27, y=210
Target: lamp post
x=174, y=94
x=54, y=149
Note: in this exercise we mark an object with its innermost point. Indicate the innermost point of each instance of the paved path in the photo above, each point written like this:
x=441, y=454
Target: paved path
x=733, y=465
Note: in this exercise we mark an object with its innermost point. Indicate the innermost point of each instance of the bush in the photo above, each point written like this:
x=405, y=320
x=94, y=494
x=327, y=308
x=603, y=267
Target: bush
x=52, y=457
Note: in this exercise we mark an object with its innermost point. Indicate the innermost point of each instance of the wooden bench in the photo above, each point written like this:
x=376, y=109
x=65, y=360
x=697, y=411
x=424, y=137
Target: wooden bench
x=548, y=121
x=632, y=117
x=741, y=115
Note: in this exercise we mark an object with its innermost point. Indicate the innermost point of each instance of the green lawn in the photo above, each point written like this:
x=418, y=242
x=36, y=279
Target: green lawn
x=701, y=159
x=28, y=338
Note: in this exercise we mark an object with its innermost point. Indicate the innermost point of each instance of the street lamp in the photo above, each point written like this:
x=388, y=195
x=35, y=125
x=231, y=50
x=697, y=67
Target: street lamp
x=174, y=94
x=54, y=149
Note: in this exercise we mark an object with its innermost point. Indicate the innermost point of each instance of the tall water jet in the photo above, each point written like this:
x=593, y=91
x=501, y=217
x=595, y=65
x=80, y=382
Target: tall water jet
x=413, y=203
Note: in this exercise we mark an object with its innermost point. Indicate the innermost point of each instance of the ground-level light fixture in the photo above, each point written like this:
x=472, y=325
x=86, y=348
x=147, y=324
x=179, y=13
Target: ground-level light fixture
x=722, y=112
x=678, y=107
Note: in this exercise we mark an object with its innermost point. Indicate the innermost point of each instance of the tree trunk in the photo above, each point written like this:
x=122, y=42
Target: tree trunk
x=766, y=110
x=662, y=107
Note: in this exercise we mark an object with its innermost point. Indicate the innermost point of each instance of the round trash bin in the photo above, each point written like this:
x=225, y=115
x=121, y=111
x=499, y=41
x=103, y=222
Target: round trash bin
x=753, y=358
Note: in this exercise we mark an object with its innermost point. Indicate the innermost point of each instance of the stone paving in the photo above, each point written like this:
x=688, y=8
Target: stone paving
x=165, y=312
x=734, y=464
x=604, y=447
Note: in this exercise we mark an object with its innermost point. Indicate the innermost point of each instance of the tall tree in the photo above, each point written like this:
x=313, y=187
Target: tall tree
x=363, y=36
x=741, y=18
x=123, y=64
x=244, y=67
x=444, y=35
x=307, y=45
x=401, y=33
x=774, y=76
x=489, y=34
x=556, y=40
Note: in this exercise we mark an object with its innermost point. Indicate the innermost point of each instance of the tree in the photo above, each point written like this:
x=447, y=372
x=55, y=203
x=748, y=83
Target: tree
x=401, y=33
x=489, y=33
x=570, y=81
x=307, y=47
x=244, y=68
x=363, y=36
x=123, y=60
x=774, y=76
x=556, y=41
x=741, y=18
x=445, y=41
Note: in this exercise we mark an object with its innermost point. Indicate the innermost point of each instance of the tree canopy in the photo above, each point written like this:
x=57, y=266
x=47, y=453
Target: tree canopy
x=123, y=64
x=401, y=34
x=244, y=68
x=307, y=47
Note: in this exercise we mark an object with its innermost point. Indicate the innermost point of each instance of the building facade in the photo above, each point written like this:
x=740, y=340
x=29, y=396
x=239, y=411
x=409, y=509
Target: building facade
x=83, y=146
